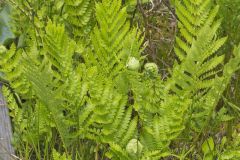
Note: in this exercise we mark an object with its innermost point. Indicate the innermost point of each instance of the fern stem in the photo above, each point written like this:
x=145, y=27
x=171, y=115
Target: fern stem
x=15, y=95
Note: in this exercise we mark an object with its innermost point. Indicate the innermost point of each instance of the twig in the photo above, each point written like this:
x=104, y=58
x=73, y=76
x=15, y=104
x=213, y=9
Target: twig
x=167, y=4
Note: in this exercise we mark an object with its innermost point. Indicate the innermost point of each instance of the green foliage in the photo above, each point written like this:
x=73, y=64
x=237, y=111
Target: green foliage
x=113, y=41
x=12, y=70
x=59, y=50
x=230, y=150
x=230, y=27
x=231, y=20
x=78, y=14
x=208, y=148
x=77, y=98
x=199, y=65
x=57, y=156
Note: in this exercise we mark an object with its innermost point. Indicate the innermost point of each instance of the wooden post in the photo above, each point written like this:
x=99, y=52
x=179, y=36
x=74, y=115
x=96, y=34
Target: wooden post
x=6, y=149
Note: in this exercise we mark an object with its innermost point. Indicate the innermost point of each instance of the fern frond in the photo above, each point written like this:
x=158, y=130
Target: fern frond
x=43, y=87
x=160, y=129
x=124, y=122
x=59, y=49
x=15, y=112
x=155, y=155
x=118, y=153
x=200, y=60
x=113, y=41
x=192, y=17
x=58, y=156
x=12, y=70
x=130, y=132
x=77, y=15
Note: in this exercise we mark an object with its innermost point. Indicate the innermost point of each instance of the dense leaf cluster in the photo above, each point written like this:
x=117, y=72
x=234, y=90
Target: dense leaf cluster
x=80, y=86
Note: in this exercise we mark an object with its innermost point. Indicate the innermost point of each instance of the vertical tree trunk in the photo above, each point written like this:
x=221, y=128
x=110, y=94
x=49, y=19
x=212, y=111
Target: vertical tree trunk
x=6, y=149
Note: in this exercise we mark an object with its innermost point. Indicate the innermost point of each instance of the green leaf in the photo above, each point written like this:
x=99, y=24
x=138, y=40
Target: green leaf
x=230, y=155
x=208, y=146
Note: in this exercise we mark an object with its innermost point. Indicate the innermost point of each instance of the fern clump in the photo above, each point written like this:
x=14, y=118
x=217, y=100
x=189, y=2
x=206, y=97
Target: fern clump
x=82, y=88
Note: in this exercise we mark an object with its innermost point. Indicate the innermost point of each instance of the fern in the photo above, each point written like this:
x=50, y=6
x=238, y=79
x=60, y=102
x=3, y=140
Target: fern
x=44, y=90
x=102, y=93
x=192, y=16
x=59, y=50
x=199, y=66
x=105, y=116
x=206, y=103
x=196, y=47
x=77, y=15
x=16, y=113
x=161, y=117
x=57, y=156
x=12, y=70
x=200, y=61
x=113, y=41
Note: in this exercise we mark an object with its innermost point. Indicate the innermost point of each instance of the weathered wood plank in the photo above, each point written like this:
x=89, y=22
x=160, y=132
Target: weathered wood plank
x=6, y=148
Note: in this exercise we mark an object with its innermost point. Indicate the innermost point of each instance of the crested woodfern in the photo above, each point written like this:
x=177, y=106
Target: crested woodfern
x=78, y=14
x=59, y=50
x=199, y=65
x=12, y=69
x=107, y=96
x=113, y=41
